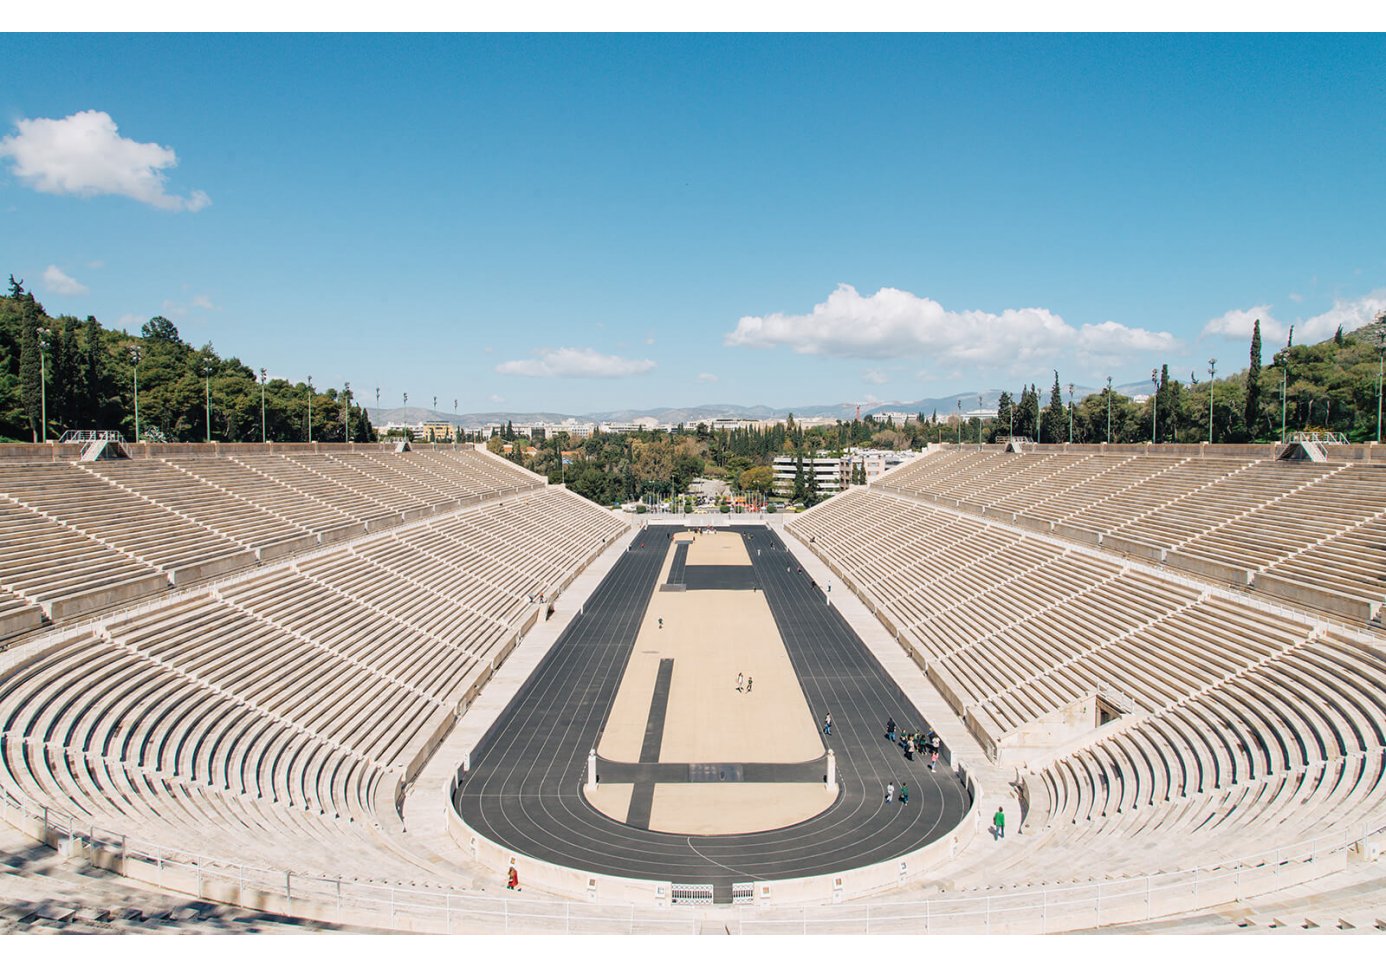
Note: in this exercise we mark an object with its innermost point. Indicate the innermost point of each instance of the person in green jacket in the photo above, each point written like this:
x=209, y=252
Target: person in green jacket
x=998, y=822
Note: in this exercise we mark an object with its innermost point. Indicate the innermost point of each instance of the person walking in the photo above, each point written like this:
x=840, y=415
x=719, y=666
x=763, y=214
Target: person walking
x=890, y=730
x=740, y=682
x=890, y=791
x=512, y=879
x=750, y=681
x=933, y=760
x=661, y=623
x=904, y=794
x=828, y=725
x=998, y=822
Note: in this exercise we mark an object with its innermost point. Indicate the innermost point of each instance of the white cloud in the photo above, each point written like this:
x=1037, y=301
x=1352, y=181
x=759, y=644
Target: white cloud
x=571, y=362
x=1351, y=314
x=83, y=154
x=131, y=319
x=55, y=280
x=707, y=377
x=875, y=376
x=894, y=323
x=1236, y=324
x=1296, y=297
x=496, y=398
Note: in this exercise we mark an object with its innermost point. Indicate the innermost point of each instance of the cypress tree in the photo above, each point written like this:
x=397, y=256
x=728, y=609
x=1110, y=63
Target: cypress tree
x=30, y=377
x=1251, y=415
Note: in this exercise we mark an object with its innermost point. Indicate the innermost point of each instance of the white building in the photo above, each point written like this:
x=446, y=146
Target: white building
x=826, y=473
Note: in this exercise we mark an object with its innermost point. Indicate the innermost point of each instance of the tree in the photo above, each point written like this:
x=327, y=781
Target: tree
x=1004, y=414
x=160, y=329
x=1027, y=413
x=30, y=374
x=1251, y=413
x=757, y=478
x=1054, y=426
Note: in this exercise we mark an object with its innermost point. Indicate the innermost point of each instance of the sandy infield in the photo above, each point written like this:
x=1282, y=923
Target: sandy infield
x=735, y=808
x=713, y=636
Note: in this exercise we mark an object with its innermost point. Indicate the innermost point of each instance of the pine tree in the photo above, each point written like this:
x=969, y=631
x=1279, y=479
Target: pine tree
x=1251, y=415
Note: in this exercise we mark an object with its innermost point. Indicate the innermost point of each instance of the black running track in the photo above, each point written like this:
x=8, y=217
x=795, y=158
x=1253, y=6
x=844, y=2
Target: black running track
x=524, y=789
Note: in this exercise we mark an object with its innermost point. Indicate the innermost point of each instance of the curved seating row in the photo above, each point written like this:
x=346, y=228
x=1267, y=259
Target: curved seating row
x=1310, y=531
x=270, y=719
x=82, y=538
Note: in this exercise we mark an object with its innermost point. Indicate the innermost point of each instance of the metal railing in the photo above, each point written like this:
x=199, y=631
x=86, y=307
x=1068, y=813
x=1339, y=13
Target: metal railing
x=86, y=436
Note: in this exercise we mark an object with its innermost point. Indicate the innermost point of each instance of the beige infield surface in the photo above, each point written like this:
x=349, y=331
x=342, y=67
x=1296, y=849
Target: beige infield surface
x=713, y=636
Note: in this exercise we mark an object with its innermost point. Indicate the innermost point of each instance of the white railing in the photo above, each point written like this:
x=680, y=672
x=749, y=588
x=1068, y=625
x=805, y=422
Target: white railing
x=1116, y=901
x=86, y=436
x=1318, y=437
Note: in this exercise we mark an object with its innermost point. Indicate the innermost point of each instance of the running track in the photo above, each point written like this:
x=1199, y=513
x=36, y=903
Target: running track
x=524, y=789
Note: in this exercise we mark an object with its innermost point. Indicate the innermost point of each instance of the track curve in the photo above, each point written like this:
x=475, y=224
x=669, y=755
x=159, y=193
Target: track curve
x=524, y=788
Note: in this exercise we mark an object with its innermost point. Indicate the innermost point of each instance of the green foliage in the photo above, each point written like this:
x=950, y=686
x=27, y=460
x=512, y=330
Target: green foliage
x=91, y=384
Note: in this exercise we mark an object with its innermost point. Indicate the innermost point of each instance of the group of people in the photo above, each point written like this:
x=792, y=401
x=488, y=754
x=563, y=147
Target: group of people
x=744, y=683
x=915, y=742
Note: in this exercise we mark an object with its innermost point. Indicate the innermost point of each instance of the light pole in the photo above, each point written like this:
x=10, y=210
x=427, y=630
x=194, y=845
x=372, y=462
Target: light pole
x=206, y=369
x=346, y=412
x=1284, y=382
x=264, y=435
x=1154, y=400
x=980, y=405
x=457, y=431
x=44, y=334
x=1109, y=410
x=959, y=423
x=135, y=358
x=1212, y=372
x=310, y=408
x=1070, y=413
x=1380, y=369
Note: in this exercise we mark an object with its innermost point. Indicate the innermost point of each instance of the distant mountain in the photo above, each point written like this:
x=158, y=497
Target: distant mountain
x=688, y=416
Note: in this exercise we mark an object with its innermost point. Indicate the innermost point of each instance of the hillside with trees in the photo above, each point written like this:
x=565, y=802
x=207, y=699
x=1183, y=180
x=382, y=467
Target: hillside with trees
x=84, y=376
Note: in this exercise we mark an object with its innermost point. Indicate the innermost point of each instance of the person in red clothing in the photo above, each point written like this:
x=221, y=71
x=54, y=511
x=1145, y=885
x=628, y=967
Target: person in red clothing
x=512, y=880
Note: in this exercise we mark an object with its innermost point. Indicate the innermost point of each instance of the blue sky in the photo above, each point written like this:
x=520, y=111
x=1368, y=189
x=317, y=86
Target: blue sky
x=581, y=223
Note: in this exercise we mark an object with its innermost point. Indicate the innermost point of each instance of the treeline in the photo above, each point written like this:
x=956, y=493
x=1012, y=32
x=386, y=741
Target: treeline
x=84, y=376
x=611, y=468
x=1330, y=386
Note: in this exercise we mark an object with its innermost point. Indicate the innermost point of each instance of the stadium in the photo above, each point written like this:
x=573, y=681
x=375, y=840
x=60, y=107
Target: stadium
x=372, y=687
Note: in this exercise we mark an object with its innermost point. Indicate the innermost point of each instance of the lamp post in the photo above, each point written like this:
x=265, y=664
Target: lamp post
x=310, y=408
x=457, y=431
x=135, y=358
x=44, y=334
x=1109, y=410
x=264, y=435
x=959, y=423
x=1380, y=370
x=1284, y=383
x=346, y=412
x=1154, y=400
x=980, y=405
x=1212, y=372
x=206, y=369
x=1070, y=413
